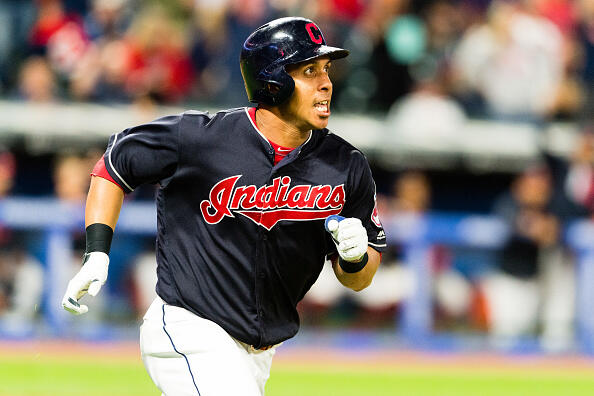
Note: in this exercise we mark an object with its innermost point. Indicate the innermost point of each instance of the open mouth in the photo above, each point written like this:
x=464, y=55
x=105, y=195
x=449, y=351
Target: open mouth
x=323, y=107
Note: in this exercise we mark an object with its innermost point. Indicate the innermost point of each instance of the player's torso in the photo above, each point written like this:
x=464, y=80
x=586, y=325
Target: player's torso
x=226, y=176
x=256, y=228
x=235, y=176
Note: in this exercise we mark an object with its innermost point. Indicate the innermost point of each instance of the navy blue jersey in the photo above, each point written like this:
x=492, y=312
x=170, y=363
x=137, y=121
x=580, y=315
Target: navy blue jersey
x=241, y=240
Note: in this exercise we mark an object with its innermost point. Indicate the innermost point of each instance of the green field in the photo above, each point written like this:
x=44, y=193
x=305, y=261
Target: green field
x=52, y=373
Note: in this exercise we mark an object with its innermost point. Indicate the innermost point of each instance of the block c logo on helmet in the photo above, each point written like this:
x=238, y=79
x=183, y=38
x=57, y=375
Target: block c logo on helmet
x=315, y=37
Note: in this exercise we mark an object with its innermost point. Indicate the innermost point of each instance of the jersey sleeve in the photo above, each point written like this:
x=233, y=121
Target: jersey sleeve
x=146, y=153
x=361, y=202
x=99, y=170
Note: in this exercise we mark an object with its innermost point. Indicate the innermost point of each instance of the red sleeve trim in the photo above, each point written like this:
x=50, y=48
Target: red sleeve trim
x=99, y=170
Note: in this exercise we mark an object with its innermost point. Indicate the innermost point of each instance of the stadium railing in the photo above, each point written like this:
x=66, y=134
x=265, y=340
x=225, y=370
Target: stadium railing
x=57, y=220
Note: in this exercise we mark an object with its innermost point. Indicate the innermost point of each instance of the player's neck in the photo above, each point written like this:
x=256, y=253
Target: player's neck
x=280, y=130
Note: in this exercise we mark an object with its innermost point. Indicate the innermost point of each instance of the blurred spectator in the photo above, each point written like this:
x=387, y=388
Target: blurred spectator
x=7, y=172
x=243, y=17
x=103, y=72
x=71, y=181
x=379, y=77
x=21, y=276
x=21, y=287
x=51, y=16
x=37, y=82
x=585, y=36
x=569, y=99
x=574, y=179
x=513, y=61
x=408, y=121
x=452, y=292
x=563, y=13
x=107, y=20
x=160, y=66
x=534, y=284
x=445, y=23
x=59, y=36
x=578, y=176
x=208, y=49
x=411, y=195
x=16, y=18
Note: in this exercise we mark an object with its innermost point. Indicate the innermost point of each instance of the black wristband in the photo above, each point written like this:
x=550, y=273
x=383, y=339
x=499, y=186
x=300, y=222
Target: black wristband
x=99, y=238
x=350, y=267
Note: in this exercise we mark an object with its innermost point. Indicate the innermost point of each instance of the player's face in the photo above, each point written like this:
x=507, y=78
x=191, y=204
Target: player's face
x=309, y=105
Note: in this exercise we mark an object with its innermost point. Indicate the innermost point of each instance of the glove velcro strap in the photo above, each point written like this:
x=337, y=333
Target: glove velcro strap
x=99, y=238
x=350, y=267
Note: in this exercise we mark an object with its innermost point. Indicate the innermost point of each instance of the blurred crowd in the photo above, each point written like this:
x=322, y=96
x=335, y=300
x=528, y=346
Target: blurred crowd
x=526, y=287
x=524, y=60
x=24, y=272
x=523, y=288
x=529, y=61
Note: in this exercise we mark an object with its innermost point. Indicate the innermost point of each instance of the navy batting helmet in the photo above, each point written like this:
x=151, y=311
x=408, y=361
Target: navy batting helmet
x=274, y=45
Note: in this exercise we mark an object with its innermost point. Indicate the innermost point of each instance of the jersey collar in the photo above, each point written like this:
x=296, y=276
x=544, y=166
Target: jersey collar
x=251, y=113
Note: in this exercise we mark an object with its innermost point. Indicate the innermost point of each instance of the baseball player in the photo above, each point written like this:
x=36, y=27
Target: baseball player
x=241, y=210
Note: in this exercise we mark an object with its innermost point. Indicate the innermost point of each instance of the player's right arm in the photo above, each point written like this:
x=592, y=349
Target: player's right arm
x=102, y=210
x=104, y=202
x=142, y=154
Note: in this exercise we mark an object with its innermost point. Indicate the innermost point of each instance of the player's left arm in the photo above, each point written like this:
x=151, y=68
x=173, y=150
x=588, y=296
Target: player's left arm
x=361, y=279
x=357, y=233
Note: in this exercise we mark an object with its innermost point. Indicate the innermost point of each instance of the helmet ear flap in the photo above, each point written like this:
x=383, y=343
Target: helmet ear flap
x=273, y=89
x=277, y=87
x=287, y=86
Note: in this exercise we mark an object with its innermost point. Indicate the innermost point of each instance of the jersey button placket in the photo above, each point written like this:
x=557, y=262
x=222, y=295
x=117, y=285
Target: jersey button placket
x=259, y=276
x=264, y=238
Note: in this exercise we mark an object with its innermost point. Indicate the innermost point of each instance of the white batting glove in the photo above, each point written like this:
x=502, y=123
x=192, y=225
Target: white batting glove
x=89, y=279
x=350, y=238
